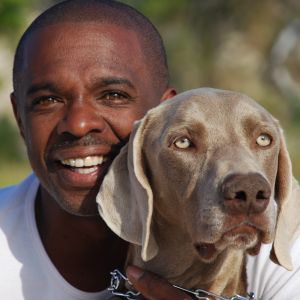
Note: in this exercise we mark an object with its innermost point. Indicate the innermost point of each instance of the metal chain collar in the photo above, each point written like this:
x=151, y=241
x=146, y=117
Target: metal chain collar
x=118, y=288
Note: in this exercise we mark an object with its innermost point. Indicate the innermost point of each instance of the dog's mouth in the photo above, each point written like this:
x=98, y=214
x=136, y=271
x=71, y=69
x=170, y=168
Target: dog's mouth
x=241, y=237
x=206, y=251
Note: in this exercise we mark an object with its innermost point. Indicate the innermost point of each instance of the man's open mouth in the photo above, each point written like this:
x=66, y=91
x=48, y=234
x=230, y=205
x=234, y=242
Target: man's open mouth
x=84, y=165
x=81, y=170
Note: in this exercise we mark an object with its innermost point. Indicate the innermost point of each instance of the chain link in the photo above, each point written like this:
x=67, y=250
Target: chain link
x=118, y=281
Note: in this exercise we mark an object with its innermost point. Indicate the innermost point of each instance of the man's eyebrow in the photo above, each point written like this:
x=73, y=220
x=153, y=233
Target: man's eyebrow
x=102, y=82
x=107, y=81
x=41, y=86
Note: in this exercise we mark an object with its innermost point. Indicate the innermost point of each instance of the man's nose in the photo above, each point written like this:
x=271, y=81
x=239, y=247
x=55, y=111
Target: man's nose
x=81, y=119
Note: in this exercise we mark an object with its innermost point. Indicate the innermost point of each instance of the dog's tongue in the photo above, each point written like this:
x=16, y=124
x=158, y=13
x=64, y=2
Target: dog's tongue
x=206, y=250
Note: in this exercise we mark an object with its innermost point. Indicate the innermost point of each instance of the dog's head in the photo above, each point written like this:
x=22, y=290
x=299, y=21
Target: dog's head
x=213, y=162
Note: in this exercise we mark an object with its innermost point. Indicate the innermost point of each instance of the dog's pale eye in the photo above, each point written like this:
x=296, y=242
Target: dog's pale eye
x=183, y=143
x=264, y=140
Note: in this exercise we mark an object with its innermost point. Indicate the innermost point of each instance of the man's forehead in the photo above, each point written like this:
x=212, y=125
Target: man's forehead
x=80, y=22
x=101, y=43
x=84, y=29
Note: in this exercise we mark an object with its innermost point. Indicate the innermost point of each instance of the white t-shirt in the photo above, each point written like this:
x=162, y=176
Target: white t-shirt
x=26, y=271
x=271, y=281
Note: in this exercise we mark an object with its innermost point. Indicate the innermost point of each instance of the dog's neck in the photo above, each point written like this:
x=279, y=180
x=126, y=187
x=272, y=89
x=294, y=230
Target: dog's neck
x=179, y=263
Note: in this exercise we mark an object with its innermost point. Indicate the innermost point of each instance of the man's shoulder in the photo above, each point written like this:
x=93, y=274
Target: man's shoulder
x=14, y=195
x=269, y=280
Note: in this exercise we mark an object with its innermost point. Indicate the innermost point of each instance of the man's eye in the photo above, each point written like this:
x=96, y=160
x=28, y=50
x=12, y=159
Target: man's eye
x=45, y=103
x=116, y=96
x=45, y=100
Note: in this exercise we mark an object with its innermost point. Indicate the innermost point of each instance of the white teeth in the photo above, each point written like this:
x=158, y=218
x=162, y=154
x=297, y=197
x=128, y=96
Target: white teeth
x=92, y=161
x=72, y=162
x=85, y=170
x=88, y=161
x=79, y=163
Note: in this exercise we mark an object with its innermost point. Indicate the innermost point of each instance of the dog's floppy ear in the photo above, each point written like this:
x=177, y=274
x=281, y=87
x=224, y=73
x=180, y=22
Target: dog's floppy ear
x=284, y=177
x=287, y=194
x=125, y=199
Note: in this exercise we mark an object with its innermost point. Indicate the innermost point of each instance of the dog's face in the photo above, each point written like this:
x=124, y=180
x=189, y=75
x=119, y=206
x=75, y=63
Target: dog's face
x=212, y=165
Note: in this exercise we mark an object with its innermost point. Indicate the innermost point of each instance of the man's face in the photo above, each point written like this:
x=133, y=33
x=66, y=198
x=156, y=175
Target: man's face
x=83, y=87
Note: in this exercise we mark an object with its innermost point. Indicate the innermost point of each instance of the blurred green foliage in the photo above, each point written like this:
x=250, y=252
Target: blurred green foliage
x=13, y=172
x=13, y=16
x=228, y=44
x=14, y=165
x=10, y=142
x=219, y=43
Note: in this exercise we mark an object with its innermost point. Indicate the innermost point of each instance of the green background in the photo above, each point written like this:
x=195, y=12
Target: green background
x=229, y=44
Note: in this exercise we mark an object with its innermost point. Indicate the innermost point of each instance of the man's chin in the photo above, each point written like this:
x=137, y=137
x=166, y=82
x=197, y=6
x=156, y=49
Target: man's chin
x=74, y=192
x=79, y=202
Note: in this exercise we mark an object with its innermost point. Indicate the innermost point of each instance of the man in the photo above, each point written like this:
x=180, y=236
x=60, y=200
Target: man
x=84, y=71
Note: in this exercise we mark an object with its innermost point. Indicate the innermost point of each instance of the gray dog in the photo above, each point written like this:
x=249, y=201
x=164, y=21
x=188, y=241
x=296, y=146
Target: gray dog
x=203, y=181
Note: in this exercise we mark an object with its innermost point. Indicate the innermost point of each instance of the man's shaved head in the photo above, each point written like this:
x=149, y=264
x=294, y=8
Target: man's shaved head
x=105, y=12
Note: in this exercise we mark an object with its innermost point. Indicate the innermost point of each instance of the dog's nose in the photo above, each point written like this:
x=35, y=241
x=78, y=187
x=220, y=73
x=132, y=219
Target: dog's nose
x=249, y=193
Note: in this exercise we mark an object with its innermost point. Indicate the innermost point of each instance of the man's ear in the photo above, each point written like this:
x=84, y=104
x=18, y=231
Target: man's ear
x=169, y=93
x=16, y=111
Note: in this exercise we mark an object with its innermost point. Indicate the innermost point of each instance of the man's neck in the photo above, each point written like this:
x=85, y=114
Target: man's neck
x=83, y=249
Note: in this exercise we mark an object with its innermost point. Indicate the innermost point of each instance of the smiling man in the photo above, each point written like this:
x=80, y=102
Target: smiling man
x=84, y=71
x=80, y=81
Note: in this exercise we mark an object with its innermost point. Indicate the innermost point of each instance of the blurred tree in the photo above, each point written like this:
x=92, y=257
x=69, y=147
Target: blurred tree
x=13, y=16
x=10, y=149
x=220, y=43
x=228, y=44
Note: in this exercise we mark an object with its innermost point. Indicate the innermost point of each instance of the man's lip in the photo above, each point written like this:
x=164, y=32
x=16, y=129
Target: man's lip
x=82, y=152
x=84, y=177
x=88, y=161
